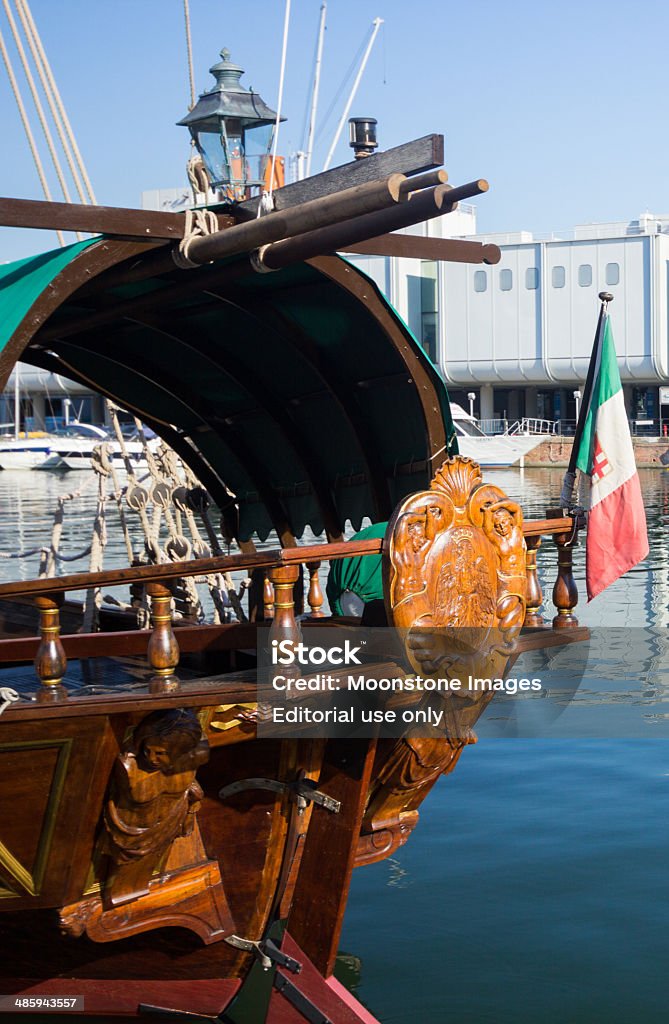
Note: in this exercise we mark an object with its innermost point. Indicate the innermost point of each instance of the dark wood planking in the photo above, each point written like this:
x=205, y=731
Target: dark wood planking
x=418, y=247
x=422, y=154
x=540, y=639
x=317, y=914
x=112, y=221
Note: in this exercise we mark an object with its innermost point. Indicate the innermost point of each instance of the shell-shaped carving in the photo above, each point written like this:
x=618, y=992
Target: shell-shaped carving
x=456, y=478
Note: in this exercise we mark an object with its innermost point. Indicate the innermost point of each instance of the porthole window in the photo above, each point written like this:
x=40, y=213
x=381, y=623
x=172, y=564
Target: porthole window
x=480, y=281
x=505, y=280
x=558, y=277
x=532, y=278
x=585, y=275
x=612, y=273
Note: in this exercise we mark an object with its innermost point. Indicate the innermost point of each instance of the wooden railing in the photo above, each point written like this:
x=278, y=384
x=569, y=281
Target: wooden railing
x=282, y=572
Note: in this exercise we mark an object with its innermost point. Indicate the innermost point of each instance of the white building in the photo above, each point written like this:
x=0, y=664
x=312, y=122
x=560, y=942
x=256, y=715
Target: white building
x=518, y=335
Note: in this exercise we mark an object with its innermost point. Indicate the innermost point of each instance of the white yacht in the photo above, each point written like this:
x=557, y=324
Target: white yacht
x=492, y=450
x=69, y=447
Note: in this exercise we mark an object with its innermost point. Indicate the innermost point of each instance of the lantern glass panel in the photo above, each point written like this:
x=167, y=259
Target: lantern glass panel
x=258, y=142
x=211, y=146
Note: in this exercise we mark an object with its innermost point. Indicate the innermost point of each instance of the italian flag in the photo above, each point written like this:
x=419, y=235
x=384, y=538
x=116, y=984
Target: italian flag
x=616, y=538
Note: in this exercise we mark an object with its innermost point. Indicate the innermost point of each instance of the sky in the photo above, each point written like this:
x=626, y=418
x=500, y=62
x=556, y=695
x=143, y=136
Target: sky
x=561, y=107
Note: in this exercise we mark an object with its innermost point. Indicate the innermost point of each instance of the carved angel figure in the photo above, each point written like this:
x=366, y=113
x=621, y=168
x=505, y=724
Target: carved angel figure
x=153, y=798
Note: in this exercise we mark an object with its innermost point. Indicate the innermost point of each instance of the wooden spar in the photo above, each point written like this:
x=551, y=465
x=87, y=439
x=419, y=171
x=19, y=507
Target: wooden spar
x=319, y=213
x=421, y=206
x=409, y=158
x=115, y=222
x=421, y=248
x=426, y=180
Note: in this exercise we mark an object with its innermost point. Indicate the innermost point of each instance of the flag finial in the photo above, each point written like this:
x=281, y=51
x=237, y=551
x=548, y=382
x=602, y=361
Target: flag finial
x=606, y=296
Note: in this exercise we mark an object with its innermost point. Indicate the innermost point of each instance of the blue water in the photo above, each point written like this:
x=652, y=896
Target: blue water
x=535, y=887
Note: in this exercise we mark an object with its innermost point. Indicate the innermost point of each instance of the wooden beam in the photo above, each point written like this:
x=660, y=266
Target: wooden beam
x=450, y=250
x=360, y=200
x=113, y=221
x=410, y=158
x=423, y=205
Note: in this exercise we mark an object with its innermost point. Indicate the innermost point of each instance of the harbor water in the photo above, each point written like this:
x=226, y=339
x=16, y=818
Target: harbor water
x=536, y=884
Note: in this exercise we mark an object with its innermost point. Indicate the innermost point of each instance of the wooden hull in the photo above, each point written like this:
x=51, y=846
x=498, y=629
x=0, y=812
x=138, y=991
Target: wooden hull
x=167, y=947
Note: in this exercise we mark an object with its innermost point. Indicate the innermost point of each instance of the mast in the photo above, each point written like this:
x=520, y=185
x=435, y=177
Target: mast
x=376, y=25
x=316, y=88
x=17, y=402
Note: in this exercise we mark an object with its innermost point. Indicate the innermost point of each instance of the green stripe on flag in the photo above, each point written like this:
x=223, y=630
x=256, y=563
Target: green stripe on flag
x=605, y=386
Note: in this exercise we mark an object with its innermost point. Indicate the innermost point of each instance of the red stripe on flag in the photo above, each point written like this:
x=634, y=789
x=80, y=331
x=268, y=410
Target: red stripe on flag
x=616, y=538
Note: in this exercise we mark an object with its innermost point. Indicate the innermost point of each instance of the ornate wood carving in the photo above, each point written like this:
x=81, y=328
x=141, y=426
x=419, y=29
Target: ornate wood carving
x=455, y=564
x=455, y=570
x=150, y=824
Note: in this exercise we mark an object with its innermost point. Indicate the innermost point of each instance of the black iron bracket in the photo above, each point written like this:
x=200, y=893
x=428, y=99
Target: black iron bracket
x=302, y=1004
x=266, y=952
x=303, y=791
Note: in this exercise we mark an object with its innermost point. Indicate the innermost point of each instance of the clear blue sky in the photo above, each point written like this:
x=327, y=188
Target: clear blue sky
x=561, y=106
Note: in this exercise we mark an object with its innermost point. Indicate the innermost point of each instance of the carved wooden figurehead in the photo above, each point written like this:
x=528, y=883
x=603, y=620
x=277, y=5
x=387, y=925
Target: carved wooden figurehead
x=157, y=871
x=455, y=574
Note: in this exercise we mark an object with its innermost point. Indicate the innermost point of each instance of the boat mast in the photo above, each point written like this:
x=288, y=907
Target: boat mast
x=316, y=88
x=17, y=402
x=376, y=25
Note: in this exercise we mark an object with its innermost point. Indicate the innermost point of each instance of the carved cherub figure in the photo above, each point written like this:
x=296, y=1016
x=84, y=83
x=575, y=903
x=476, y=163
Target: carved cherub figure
x=153, y=798
x=501, y=522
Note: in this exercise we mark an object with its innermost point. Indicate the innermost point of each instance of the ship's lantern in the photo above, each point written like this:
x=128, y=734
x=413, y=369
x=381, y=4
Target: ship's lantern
x=232, y=128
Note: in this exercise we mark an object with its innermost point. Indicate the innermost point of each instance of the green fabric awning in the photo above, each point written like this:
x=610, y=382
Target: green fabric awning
x=299, y=398
x=22, y=282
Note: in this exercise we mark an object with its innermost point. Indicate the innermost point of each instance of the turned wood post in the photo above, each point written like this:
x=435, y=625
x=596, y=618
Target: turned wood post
x=565, y=591
x=268, y=599
x=163, y=649
x=533, y=617
x=284, y=625
x=315, y=595
x=50, y=660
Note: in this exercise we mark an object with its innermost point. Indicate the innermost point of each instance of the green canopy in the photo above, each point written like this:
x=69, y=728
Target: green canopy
x=299, y=398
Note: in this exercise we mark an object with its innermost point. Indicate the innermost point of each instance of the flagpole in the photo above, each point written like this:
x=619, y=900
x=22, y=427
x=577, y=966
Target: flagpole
x=567, y=496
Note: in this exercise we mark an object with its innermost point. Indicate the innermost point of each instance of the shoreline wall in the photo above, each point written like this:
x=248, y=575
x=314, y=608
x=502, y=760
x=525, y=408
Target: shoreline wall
x=556, y=452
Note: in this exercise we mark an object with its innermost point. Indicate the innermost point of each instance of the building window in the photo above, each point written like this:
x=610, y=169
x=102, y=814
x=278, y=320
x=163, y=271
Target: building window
x=612, y=273
x=505, y=280
x=480, y=280
x=531, y=278
x=423, y=316
x=585, y=275
x=558, y=277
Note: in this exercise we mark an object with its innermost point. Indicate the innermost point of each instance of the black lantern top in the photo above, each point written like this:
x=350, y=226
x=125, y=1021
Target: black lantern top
x=232, y=129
